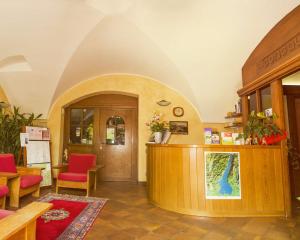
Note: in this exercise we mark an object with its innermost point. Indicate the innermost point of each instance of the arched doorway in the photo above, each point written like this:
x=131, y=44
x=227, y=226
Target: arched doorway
x=105, y=124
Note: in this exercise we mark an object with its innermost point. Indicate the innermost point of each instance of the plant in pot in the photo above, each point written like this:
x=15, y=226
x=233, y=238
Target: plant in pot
x=11, y=123
x=157, y=127
x=261, y=129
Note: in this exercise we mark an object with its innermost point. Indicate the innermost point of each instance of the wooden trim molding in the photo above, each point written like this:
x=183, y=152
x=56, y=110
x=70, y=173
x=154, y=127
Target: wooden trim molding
x=277, y=54
x=291, y=90
x=290, y=67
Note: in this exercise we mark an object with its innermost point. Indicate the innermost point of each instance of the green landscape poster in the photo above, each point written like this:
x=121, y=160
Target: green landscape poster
x=222, y=175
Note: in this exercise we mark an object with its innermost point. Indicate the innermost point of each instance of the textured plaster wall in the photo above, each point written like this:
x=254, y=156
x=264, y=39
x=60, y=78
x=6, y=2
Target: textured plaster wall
x=148, y=92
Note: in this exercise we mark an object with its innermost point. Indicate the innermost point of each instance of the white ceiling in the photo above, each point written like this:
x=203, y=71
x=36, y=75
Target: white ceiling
x=293, y=79
x=197, y=47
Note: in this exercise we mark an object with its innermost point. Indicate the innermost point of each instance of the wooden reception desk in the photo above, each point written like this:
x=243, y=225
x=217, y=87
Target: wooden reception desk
x=176, y=180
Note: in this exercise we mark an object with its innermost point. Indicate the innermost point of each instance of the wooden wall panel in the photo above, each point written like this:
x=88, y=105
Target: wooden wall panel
x=176, y=180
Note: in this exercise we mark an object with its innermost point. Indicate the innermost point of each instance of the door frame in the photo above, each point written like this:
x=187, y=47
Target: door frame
x=119, y=100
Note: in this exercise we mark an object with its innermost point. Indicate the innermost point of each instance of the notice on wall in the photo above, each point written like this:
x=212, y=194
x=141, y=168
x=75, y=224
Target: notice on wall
x=38, y=133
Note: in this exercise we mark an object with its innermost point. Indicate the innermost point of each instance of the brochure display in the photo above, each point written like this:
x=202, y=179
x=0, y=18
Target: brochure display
x=36, y=140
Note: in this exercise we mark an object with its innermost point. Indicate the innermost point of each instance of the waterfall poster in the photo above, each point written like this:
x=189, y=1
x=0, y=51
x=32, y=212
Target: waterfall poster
x=222, y=175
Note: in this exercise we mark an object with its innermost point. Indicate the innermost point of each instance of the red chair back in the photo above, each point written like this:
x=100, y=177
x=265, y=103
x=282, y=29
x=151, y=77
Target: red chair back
x=81, y=163
x=7, y=163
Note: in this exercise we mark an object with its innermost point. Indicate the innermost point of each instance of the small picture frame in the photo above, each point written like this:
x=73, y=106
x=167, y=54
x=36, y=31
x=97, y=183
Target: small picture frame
x=179, y=127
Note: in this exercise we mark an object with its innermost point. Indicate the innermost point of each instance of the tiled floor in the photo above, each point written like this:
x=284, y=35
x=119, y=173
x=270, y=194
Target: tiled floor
x=128, y=215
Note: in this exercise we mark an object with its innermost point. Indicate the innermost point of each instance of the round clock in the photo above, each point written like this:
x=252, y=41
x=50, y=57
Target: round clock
x=178, y=111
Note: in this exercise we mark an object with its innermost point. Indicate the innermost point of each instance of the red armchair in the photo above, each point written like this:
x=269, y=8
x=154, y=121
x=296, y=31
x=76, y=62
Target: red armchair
x=21, y=180
x=3, y=191
x=81, y=172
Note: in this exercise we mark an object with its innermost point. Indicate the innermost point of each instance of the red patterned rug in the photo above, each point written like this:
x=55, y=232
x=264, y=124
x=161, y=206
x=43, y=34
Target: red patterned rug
x=71, y=217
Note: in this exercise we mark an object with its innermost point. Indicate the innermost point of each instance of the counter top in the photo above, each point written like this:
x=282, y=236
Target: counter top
x=212, y=146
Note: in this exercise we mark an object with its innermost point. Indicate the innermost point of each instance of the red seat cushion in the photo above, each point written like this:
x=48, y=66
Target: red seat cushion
x=81, y=163
x=30, y=180
x=5, y=213
x=73, y=177
x=3, y=190
x=7, y=163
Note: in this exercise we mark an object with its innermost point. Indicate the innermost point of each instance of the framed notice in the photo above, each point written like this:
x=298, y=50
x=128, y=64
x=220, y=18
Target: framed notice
x=179, y=127
x=222, y=175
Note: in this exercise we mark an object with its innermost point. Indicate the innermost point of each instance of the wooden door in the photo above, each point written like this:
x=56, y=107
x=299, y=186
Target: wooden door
x=85, y=132
x=293, y=104
x=295, y=133
x=116, y=144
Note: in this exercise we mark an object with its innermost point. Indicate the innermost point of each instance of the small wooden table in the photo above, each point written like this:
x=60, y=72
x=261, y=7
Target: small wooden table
x=13, y=182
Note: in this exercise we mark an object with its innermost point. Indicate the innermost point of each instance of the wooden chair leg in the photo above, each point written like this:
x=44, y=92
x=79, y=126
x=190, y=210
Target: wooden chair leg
x=14, y=192
x=56, y=188
x=3, y=202
x=95, y=181
x=36, y=193
x=14, y=200
x=88, y=189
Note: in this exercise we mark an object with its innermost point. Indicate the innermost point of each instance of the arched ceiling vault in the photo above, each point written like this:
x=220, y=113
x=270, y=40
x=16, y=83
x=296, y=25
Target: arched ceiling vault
x=196, y=47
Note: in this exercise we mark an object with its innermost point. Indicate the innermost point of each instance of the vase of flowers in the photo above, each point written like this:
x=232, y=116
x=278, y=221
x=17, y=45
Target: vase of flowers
x=157, y=137
x=157, y=127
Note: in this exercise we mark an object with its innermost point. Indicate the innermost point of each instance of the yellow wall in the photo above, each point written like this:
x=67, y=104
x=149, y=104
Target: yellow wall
x=3, y=97
x=148, y=92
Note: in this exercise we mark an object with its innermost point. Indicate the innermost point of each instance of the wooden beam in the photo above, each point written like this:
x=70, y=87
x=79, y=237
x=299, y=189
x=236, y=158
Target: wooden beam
x=245, y=109
x=278, y=108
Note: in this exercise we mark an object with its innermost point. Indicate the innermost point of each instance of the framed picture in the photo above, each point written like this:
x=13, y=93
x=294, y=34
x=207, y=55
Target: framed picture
x=179, y=127
x=222, y=175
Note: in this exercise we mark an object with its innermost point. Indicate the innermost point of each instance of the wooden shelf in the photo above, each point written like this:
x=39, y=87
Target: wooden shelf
x=237, y=125
x=237, y=115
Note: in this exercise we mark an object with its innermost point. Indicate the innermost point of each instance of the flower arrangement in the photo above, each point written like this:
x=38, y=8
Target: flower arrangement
x=156, y=124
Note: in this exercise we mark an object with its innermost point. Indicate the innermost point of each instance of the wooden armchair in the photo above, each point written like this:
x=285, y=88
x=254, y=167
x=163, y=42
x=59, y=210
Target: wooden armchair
x=81, y=172
x=3, y=191
x=21, y=180
x=21, y=225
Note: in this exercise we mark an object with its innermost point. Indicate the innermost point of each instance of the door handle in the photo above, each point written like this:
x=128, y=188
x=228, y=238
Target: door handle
x=101, y=146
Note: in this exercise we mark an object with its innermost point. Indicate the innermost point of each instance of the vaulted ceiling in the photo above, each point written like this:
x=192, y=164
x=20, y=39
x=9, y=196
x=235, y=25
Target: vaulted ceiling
x=196, y=47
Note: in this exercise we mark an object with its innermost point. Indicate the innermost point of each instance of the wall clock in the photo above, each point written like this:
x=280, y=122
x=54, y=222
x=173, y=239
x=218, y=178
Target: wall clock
x=178, y=111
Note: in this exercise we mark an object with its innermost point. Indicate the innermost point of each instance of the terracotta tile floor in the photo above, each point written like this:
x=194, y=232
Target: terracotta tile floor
x=128, y=215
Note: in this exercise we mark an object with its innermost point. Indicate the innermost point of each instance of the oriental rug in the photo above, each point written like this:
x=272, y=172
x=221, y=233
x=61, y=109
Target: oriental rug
x=71, y=217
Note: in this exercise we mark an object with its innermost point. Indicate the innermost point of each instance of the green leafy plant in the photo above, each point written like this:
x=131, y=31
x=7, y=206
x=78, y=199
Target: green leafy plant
x=260, y=126
x=11, y=123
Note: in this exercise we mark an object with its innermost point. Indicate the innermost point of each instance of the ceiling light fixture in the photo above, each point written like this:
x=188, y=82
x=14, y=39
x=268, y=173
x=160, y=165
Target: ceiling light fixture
x=163, y=103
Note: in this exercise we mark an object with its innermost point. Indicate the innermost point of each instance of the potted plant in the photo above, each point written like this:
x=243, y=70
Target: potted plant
x=157, y=126
x=261, y=129
x=11, y=123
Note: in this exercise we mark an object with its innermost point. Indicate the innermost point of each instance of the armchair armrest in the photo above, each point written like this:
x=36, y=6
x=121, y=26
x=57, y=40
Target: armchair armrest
x=61, y=167
x=96, y=168
x=29, y=171
x=3, y=180
x=22, y=220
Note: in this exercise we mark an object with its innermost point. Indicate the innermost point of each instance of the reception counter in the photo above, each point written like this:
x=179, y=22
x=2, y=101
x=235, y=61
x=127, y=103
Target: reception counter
x=176, y=180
